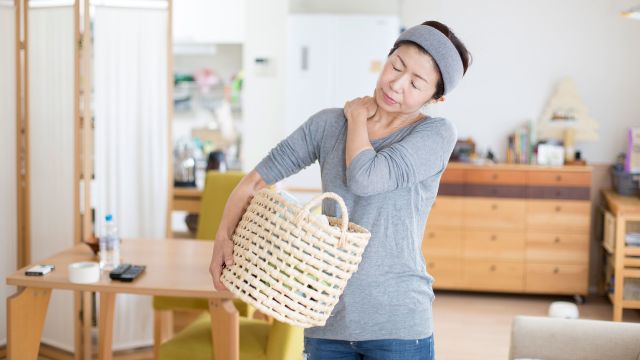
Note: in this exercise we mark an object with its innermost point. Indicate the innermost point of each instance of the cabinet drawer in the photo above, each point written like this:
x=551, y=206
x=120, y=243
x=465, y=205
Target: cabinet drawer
x=487, y=245
x=499, y=191
x=452, y=176
x=447, y=273
x=494, y=214
x=493, y=276
x=559, y=178
x=495, y=177
x=563, y=216
x=562, y=193
x=442, y=243
x=557, y=248
x=557, y=279
x=445, y=212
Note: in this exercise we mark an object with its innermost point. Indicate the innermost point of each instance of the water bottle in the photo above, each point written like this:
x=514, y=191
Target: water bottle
x=109, y=245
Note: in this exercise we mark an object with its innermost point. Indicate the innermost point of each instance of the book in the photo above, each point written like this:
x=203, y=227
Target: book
x=632, y=159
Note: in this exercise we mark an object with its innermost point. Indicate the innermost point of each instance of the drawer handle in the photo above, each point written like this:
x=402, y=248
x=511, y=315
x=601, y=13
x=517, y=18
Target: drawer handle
x=494, y=206
x=556, y=270
x=431, y=235
x=492, y=268
x=559, y=178
x=494, y=237
x=494, y=176
x=556, y=240
x=558, y=208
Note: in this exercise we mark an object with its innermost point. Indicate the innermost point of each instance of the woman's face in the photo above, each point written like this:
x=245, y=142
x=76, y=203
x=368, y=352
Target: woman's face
x=408, y=80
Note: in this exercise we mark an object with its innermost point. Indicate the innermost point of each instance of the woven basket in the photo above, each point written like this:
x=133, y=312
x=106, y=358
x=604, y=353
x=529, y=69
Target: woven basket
x=288, y=264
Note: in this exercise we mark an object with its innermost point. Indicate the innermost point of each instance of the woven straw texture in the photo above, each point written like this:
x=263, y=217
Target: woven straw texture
x=290, y=265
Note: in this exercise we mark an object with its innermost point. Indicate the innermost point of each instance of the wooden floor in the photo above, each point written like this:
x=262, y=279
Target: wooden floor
x=478, y=325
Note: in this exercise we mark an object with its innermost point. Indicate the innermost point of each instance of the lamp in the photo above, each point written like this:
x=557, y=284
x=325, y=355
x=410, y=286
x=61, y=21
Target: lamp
x=566, y=118
x=632, y=13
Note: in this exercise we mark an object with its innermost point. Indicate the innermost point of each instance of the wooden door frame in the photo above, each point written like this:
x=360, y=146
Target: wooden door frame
x=169, y=232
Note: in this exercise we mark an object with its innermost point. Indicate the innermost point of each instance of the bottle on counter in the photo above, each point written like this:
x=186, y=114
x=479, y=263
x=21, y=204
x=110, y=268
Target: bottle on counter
x=109, y=245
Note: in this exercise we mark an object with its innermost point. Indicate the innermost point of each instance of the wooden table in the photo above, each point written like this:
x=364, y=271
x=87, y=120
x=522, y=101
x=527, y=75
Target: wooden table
x=187, y=199
x=625, y=209
x=174, y=268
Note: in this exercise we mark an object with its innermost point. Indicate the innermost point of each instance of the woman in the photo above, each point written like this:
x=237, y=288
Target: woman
x=385, y=158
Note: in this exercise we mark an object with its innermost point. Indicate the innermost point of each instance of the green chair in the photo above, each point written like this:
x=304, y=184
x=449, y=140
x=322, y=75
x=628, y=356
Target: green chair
x=259, y=340
x=218, y=187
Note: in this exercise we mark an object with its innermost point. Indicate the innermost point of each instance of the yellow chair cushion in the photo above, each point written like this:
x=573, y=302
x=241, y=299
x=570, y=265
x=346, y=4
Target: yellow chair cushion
x=286, y=342
x=194, y=342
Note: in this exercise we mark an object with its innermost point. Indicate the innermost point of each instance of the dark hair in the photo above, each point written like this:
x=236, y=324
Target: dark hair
x=465, y=55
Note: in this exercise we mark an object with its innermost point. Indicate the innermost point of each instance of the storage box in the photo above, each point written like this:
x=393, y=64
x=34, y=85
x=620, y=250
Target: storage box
x=625, y=183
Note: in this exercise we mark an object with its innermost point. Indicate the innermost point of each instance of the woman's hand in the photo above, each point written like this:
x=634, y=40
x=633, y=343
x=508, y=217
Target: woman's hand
x=222, y=257
x=236, y=205
x=361, y=108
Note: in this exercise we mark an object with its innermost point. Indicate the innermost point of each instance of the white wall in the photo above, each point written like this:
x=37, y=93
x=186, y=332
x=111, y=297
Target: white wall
x=521, y=49
x=8, y=219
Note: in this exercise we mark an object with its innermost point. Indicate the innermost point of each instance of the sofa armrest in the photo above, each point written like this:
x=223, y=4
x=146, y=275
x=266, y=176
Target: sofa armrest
x=554, y=339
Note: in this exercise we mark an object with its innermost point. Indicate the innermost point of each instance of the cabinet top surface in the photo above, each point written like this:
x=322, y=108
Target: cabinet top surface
x=522, y=167
x=622, y=204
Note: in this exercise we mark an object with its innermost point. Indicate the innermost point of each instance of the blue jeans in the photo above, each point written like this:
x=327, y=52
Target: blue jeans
x=387, y=349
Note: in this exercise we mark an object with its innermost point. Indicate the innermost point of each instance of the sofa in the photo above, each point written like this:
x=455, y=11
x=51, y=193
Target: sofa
x=563, y=339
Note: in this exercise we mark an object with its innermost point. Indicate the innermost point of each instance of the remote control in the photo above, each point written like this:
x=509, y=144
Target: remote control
x=133, y=272
x=116, y=273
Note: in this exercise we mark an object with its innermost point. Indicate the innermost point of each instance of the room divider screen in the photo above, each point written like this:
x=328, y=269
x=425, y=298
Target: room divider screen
x=52, y=196
x=8, y=155
x=131, y=137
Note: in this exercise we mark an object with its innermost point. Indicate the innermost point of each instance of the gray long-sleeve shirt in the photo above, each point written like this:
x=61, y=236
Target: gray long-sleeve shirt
x=388, y=190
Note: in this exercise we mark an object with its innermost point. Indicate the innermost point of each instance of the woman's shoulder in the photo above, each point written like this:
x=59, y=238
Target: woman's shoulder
x=330, y=114
x=331, y=118
x=437, y=127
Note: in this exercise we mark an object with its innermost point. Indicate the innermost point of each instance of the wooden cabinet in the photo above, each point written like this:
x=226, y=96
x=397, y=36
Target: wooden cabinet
x=510, y=228
x=623, y=260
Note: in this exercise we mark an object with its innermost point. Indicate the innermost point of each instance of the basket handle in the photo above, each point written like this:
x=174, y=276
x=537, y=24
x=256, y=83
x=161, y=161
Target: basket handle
x=343, y=211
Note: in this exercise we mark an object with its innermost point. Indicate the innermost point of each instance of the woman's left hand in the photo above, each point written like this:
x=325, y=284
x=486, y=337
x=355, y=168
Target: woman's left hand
x=360, y=108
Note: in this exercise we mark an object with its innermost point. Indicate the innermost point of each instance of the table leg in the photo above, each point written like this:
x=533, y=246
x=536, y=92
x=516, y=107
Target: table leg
x=26, y=312
x=225, y=329
x=87, y=316
x=105, y=326
x=77, y=325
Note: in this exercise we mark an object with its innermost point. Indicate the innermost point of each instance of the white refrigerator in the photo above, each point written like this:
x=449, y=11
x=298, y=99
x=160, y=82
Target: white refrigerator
x=331, y=59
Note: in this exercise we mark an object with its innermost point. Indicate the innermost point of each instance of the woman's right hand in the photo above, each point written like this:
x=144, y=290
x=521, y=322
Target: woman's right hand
x=222, y=257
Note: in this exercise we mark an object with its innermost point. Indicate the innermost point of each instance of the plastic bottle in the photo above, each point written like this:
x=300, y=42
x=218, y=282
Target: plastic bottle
x=109, y=245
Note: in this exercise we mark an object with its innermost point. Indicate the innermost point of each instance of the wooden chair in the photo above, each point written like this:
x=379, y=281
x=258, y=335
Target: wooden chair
x=259, y=340
x=218, y=187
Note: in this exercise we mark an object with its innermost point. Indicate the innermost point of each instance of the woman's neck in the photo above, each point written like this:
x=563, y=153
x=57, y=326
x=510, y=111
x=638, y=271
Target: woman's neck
x=386, y=120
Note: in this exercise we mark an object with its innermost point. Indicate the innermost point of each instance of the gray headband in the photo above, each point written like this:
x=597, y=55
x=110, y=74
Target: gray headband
x=441, y=50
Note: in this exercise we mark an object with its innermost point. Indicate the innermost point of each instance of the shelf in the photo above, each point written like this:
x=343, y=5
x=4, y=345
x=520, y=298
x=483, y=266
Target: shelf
x=631, y=273
x=631, y=262
x=627, y=304
x=632, y=250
